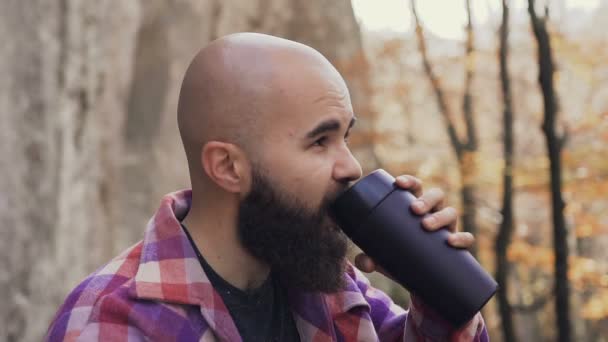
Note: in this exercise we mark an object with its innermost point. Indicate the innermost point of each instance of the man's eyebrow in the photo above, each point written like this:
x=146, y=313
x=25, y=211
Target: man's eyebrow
x=330, y=125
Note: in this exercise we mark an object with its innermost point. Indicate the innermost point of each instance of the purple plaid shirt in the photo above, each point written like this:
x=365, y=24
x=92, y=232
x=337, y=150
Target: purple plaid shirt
x=157, y=290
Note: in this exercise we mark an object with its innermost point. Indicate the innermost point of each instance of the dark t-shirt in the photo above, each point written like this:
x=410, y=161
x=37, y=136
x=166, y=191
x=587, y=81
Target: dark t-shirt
x=261, y=314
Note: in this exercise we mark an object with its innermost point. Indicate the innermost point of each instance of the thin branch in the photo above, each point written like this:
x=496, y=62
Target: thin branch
x=436, y=84
x=467, y=101
x=563, y=138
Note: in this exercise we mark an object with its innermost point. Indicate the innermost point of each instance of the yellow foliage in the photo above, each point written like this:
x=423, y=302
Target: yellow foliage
x=391, y=48
x=584, y=230
x=530, y=255
x=596, y=308
x=587, y=273
x=582, y=272
x=604, y=280
x=469, y=163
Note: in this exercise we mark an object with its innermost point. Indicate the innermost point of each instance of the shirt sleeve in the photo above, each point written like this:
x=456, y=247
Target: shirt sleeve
x=419, y=323
x=424, y=323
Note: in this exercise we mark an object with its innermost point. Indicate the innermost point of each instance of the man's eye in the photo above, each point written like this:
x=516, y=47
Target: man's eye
x=320, y=142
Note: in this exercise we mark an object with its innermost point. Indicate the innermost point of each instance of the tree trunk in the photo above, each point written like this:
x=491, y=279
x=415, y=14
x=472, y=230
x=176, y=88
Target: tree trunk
x=506, y=226
x=89, y=137
x=65, y=67
x=554, y=147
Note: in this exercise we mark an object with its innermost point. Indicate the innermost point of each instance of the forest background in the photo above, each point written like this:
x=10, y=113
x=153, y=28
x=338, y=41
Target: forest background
x=503, y=104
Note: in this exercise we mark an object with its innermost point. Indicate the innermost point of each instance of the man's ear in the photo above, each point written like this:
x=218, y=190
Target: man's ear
x=226, y=165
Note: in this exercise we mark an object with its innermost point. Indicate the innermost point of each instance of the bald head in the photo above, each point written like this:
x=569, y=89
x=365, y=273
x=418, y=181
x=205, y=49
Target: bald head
x=237, y=85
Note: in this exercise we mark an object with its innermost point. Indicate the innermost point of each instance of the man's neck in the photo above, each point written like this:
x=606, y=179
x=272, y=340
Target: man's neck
x=214, y=231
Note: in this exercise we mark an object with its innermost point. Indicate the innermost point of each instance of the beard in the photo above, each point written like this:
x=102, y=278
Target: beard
x=304, y=247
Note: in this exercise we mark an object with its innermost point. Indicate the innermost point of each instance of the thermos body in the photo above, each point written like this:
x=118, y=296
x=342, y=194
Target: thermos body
x=376, y=215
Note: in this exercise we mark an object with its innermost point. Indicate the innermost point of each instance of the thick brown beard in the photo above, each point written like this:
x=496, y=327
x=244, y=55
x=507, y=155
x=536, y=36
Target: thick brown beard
x=304, y=248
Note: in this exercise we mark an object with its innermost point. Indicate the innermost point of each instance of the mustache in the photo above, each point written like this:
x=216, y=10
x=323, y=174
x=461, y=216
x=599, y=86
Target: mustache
x=341, y=188
x=331, y=197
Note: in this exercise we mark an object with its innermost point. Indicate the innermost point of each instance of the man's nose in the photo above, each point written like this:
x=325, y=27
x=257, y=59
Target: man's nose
x=346, y=168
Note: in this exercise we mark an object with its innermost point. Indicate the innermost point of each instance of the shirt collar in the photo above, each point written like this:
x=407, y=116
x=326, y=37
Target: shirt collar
x=169, y=271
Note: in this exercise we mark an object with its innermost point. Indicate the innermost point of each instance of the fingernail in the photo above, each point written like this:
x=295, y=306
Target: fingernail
x=418, y=205
x=456, y=241
x=405, y=180
x=452, y=240
x=430, y=221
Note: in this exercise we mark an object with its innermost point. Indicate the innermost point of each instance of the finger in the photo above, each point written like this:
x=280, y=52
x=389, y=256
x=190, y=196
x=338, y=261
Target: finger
x=431, y=200
x=461, y=240
x=365, y=263
x=446, y=217
x=453, y=227
x=410, y=183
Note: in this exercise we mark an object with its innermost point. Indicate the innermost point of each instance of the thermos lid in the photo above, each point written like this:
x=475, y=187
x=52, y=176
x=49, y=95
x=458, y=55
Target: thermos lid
x=353, y=206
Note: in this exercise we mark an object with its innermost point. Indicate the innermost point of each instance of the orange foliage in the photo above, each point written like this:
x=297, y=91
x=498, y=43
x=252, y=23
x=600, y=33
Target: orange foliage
x=391, y=48
x=583, y=272
x=529, y=255
x=596, y=308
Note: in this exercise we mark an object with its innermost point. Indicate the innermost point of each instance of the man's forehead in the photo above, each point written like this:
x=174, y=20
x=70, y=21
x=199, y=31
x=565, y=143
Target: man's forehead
x=332, y=105
x=321, y=90
x=305, y=94
x=334, y=95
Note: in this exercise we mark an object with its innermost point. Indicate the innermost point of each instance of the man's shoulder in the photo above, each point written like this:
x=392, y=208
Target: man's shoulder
x=109, y=278
x=104, y=291
x=108, y=305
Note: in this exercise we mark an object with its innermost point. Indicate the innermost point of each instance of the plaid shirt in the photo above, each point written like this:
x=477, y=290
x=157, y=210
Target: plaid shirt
x=157, y=290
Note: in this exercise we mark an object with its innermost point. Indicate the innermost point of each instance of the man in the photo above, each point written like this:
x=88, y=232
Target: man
x=250, y=253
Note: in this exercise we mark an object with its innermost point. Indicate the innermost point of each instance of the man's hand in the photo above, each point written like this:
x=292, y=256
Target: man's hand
x=441, y=217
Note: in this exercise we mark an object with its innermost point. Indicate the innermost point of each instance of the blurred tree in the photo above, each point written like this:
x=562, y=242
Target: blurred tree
x=465, y=149
x=555, y=143
x=503, y=238
x=580, y=51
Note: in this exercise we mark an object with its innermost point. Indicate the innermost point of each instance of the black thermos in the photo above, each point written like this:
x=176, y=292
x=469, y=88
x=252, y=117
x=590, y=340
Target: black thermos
x=376, y=215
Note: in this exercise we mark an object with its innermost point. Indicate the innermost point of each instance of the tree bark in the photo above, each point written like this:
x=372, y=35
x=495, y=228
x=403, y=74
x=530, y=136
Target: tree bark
x=555, y=143
x=465, y=149
x=505, y=231
x=67, y=66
